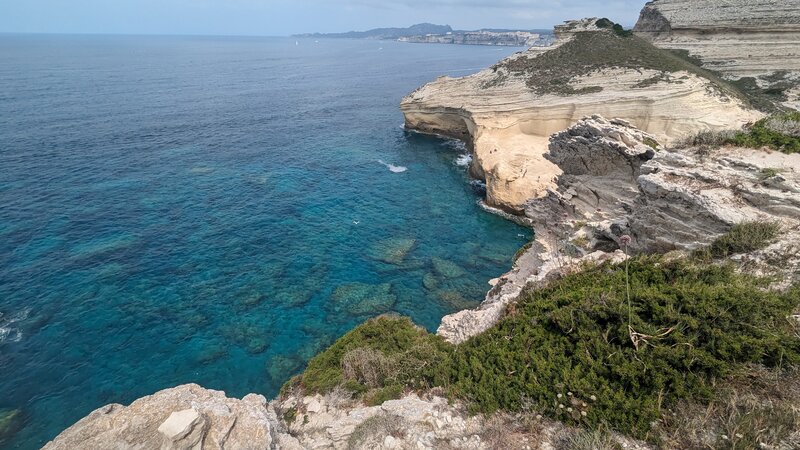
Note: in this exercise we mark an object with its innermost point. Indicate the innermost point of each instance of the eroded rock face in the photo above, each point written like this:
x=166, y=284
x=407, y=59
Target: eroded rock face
x=667, y=199
x=185, y=417
x=508, y=124
x=740, y=38
x=617, y=180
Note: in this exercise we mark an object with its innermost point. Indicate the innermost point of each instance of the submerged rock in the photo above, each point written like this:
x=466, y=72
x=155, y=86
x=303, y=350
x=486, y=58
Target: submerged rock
x=454, y=300
x=364, y=299
x=430, y=281
x=250, y=300
x=293, y=297
x=495, y=254
x=10, y=423
x=254, y=337
x=447, y=269
x=281, y=367
x=392, y=250
x=212, y=353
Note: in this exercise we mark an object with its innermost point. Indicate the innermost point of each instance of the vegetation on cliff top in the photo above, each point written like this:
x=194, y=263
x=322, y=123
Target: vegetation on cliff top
x=554, y=71
x=742, y=238
x=780, y=131
x=577, y=354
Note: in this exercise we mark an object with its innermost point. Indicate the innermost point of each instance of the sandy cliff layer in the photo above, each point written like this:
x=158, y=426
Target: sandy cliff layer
x=508, y=122
x=741, y=38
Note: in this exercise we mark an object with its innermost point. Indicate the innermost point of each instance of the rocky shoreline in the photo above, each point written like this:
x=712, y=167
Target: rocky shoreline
x=600, y=175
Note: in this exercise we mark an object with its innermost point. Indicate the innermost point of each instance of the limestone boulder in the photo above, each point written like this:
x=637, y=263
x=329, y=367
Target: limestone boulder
x=184, y=417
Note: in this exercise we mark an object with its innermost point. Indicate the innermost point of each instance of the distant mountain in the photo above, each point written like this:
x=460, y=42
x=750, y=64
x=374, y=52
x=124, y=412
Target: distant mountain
x=419, y=29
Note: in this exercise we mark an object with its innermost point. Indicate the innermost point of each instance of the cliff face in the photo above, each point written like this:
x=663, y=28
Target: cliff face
x=614, y=183
x=739, y=38
x=509, y=111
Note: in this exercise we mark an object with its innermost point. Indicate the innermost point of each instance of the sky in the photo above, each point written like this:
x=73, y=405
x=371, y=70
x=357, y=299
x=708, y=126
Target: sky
x=285, y=17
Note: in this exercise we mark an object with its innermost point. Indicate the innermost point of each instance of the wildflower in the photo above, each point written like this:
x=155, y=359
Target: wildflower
x=625, y=240
x=593, y=398
x=583, y=413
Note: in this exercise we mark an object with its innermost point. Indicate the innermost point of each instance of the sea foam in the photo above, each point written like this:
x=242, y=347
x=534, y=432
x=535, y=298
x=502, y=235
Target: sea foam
x=393, y=168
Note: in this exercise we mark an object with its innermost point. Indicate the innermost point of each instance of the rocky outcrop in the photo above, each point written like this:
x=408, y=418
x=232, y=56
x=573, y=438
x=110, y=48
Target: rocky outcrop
x=190, y=417
x=507, y=123
x=185, y=417
x=739, y=38
x=617, y=180
x=336, y=422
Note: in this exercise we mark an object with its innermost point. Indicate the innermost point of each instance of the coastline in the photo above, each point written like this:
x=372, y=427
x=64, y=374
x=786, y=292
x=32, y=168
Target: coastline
x=623, y=185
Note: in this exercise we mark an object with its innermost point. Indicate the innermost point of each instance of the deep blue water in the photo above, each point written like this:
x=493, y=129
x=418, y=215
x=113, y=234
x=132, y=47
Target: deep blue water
x=187, y=209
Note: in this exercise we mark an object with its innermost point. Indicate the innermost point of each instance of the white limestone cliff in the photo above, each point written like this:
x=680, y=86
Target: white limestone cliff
x=507, y=124
x=741, y=38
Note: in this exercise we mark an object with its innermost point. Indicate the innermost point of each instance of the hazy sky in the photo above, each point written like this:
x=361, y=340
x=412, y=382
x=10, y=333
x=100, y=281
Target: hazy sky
x=283, y=17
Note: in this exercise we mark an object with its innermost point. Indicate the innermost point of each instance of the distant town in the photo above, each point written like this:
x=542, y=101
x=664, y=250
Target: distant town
x=426, y=33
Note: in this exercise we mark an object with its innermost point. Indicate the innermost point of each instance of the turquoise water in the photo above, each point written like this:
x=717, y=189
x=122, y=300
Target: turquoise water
x=218, y=210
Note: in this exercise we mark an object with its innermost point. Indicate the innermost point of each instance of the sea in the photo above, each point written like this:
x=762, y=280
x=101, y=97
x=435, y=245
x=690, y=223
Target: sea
x=218, y=210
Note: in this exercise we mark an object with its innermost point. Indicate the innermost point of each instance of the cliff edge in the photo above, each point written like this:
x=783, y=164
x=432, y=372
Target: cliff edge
x=757, y=41
x=507, y=112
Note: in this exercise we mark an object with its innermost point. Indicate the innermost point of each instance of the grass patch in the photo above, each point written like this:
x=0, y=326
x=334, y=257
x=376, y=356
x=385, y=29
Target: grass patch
x=650, y=142
x=758, y=408
x=767, y=173
x=742, y=238
x=376, y=359
x=768, y=98
x=587, y=440
x=371, y=432
x=779, y=132
x=554, y=71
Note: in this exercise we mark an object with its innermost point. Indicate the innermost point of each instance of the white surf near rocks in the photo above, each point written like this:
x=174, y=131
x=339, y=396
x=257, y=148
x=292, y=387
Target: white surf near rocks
x=393, y=168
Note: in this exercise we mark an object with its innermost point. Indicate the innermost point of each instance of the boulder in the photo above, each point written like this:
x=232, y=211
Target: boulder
x=184, y=417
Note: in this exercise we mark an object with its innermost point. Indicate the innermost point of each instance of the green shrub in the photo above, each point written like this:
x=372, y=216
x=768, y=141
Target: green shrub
x=575, y=352
x=650, y=142
x=615, y=27
x=377, y=397
x=567, y=347
x=742, y=238
x=384, y=351
x=709, y=139
x=767, y=173
x=778, y=132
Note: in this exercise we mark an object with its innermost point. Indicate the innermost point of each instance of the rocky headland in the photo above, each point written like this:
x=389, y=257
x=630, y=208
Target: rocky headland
x=609, y=147
x=508, y=112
